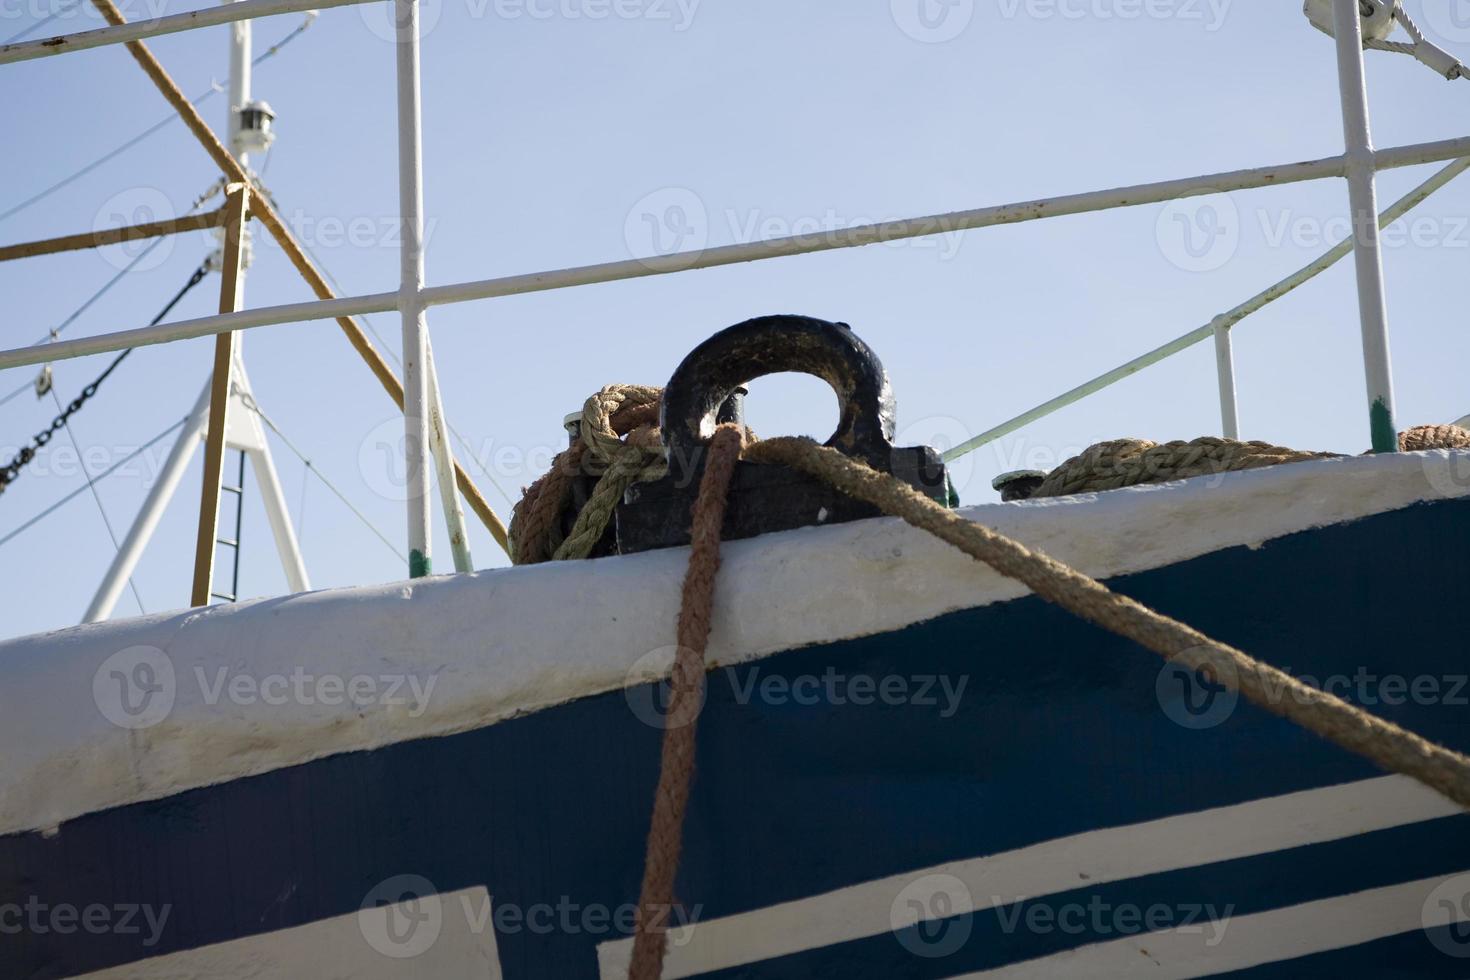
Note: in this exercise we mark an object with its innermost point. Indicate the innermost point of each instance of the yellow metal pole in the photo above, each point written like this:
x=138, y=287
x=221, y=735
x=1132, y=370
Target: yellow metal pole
x=266, y=214
x=237, y=200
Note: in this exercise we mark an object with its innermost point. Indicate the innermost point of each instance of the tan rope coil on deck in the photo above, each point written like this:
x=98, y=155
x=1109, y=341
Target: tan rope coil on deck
x=536, y=517
x=1422, y=437
x=613, y=412
x=1129, y=462
x=637, y=459
x=1345, y=725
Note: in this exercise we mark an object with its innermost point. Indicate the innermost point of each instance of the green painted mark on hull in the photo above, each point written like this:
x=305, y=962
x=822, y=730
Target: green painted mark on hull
x=1385, y=435
x=418, y=564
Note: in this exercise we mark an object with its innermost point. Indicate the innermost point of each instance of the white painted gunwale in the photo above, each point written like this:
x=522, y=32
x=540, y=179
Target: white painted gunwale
x=506, y=642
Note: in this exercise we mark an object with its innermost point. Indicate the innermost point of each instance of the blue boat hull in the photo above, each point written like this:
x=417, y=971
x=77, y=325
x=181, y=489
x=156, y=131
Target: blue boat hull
x=1001, y=729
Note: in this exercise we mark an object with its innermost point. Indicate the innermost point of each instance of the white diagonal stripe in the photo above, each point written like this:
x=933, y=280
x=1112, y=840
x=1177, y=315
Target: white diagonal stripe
x=1096, y=857
x=1251, y=940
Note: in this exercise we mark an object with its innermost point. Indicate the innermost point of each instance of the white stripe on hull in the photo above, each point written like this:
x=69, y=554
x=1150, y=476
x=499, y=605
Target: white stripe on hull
x=447, y=937
x=1253, y=940
x=1092, y=858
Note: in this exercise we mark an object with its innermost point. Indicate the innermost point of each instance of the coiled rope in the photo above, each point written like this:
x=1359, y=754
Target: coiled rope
x=1385, y=744
x=1423, y=437
x=613, y=412
x=1131, y=462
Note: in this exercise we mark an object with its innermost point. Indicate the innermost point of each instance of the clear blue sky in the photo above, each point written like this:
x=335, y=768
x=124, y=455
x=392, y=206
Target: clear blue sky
x=552, y=126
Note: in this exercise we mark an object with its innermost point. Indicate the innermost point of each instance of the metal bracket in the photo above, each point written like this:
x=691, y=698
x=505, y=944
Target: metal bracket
x=1376, y=15
x=763, y=497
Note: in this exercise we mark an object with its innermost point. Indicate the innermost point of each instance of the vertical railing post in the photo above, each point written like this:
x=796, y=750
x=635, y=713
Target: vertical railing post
x=237, y=203
x=1225, y=370
x=1363, y=198
x=411, y=284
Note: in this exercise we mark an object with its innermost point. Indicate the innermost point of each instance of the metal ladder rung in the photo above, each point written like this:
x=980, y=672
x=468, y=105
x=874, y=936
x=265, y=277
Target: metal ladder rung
x=238, y=489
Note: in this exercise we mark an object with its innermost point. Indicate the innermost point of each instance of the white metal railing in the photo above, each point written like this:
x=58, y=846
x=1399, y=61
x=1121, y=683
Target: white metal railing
x=1220, y=326
x=1358, y=165
x=462, y=292
x=172, y=24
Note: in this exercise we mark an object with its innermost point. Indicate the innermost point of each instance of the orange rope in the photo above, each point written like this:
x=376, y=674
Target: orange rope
x=676, y=768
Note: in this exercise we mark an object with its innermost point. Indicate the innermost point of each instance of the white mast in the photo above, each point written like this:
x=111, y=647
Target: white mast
x=244, y=431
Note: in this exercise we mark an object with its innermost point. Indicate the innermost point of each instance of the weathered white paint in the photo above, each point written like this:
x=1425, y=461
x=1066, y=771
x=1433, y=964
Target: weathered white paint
x=502, y=643
x=999, y=880
x=1262, y=937
x=455, y=937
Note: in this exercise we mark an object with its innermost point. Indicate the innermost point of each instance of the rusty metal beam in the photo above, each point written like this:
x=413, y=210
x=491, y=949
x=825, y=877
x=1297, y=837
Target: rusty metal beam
x=237, y=199
x=113, y=236
x=266, y=214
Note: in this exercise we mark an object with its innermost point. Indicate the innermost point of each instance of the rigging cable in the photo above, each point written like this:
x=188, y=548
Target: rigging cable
x=393, y=356
x=1378, y=18
x=55, y=331
x=27, y=32
x=92, y=485
x=100, y=476
x=249, y=402
x=1425, y=51
x=301, y=506
x=12, y=396
x=198, y=203
x=214, y=88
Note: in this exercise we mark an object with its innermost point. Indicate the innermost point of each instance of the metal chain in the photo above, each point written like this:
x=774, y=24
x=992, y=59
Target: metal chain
x=9, y=472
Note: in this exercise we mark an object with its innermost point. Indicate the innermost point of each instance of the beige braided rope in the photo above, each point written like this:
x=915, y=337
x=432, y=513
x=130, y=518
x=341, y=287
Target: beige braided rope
x=637, y=459
x=1422, y=437
x=535, y=527
x=630, y=465
x=1129, y=462
x=535, y=520
x=598, y=430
